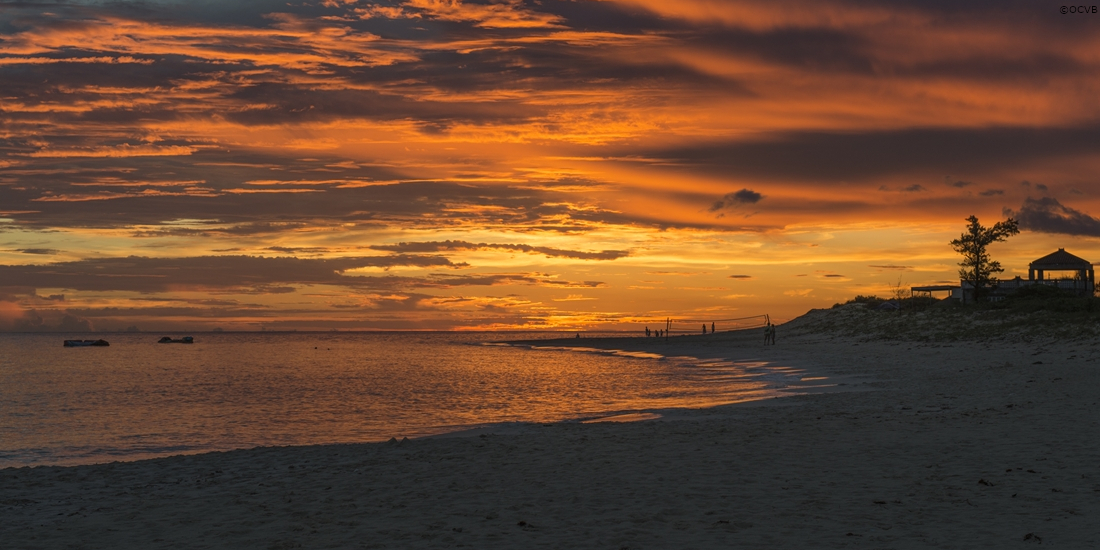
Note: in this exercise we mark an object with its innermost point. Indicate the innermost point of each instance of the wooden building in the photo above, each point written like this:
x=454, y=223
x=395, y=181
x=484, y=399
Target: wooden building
x=1071, y=274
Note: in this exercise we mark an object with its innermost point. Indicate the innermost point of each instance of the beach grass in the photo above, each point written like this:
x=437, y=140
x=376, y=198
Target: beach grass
x=1028, y=316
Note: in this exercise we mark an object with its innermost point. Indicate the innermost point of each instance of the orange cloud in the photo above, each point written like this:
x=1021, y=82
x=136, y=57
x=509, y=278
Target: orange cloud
x=505, y=14
x=118, y=182
x=778, y=14
x=45, y=60
x=293, y=43
x=103, y=196
x=118, y=151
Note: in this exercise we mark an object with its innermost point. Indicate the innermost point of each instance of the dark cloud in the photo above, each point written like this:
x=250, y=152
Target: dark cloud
x=744, y=196
x=142, y=274
x=992, y=192
x=960, y=184
x=243, y=229
x=299, y=249
x=891, y=266
x=252, y=92
x=335, y=204
x=861, y=156
x=1047, y=215
x=255, y=275
x=740, y=276
x=200, y=301
x=291, y=103
x=15, y=293
x=250, y=213
x=806, y=48
x=991, y=68
x=234, y=88
x=913, y=188
x=493, y=279
x=442, y=246
x=163, y=312
x=360, y=312
x=43, y=251
x=854, y=49
x=1038, y=186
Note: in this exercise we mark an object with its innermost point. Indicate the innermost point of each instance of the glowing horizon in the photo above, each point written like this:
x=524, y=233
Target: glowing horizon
x=512, y=164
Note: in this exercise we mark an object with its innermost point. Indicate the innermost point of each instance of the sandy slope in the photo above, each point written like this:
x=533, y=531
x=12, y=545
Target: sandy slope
x=968, y=445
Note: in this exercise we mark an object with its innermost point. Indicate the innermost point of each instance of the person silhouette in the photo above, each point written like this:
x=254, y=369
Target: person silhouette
x=647, y=332
x=712, y=328
x=704, y=328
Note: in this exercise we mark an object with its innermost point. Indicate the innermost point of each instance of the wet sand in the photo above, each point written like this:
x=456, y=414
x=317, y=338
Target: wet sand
x=970, y=445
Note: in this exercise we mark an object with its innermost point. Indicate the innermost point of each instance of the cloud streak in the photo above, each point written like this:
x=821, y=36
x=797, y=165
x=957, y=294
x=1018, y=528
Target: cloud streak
x=258, y=275
x=444, y=246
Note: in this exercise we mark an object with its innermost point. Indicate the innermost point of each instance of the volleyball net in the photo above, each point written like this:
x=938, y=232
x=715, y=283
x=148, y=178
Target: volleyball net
x=708, y=326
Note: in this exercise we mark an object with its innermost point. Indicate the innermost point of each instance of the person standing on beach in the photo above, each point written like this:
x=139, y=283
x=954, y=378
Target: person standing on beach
x=767, y=333
x=647, y=332
x=771, y=334
x=712, y=328
x=704, y=328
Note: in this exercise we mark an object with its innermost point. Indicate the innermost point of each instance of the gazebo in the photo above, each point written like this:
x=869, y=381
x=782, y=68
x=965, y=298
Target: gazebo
x=1084, y=282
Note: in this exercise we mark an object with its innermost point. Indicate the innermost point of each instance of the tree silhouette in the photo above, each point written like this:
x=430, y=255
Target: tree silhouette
x=976, y=267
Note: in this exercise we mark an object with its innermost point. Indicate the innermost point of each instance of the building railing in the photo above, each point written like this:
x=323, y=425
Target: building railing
x=1064, y=284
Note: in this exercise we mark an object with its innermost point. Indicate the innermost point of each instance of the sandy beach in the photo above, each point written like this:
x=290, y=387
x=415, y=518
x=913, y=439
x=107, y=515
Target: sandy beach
x=971, y=444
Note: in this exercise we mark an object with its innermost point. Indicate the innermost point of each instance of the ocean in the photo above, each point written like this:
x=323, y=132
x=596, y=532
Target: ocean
x=139, y=399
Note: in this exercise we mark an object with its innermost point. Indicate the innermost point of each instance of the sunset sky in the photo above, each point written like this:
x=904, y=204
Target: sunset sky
x=523, y=164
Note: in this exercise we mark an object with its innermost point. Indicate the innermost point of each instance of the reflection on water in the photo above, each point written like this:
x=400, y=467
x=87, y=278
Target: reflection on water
x=139, y=399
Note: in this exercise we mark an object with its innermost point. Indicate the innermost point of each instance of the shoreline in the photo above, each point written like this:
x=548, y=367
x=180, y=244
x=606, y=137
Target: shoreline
x=960, y=445
x=613, y=347
x=717, y=348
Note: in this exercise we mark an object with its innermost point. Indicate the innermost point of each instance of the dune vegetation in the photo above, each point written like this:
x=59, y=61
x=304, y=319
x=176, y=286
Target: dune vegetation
x=1032, y=313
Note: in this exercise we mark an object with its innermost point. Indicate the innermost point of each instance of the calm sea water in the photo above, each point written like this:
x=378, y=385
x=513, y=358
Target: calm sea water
x=139, y=399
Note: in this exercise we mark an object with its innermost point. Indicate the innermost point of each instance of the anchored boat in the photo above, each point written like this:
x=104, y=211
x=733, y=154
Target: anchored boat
x=84, y=343
x=169, y=340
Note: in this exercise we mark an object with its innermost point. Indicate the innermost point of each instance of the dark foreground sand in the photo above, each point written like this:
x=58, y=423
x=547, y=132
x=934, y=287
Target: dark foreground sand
x=968, y=445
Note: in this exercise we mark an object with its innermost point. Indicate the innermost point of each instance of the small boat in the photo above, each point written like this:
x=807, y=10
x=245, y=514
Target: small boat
x=84, y=343
x=169, y=340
